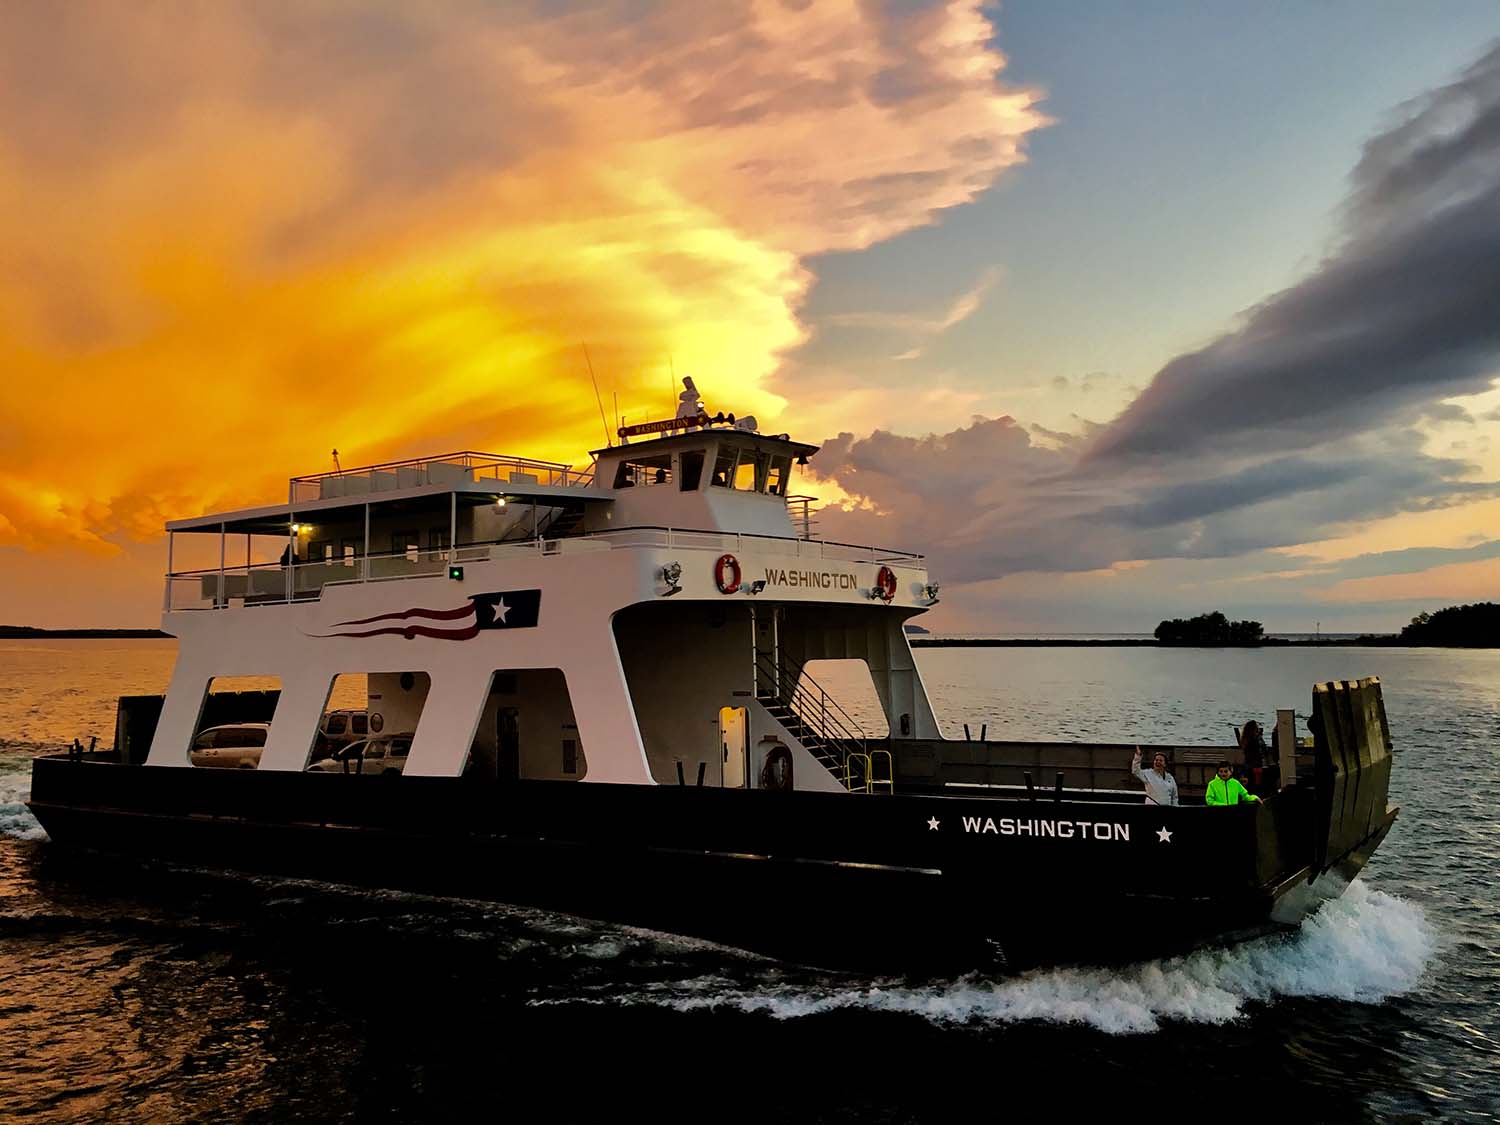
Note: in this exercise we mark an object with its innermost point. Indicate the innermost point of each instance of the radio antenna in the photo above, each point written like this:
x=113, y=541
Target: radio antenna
x=672, y=394
x=336, y=466
x=603, y=421
x=617, y=408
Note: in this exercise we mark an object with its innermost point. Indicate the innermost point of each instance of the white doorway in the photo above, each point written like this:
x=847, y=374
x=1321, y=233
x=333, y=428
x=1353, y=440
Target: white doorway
x=733, y=738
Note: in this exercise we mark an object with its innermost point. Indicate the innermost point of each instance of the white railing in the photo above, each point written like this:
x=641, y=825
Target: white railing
x=448, y=469
x=273, y=583
x=803, y=514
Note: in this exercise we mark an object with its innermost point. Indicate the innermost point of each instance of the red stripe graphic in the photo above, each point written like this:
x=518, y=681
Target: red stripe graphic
x=430, y=614
x=411, y=631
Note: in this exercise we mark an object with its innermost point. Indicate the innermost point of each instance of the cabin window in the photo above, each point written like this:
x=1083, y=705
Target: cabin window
x=350, y=549
x=723, y=469
x=692, y=471
x=570, y=755
x=320, y=550
x=337, y=724
x=750, y=473
x=437, y=541
x=644, y=471
x=781, y=475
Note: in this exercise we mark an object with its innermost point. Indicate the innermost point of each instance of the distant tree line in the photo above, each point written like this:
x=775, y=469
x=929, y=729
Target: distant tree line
x=1211, y=630
x=1459, y=626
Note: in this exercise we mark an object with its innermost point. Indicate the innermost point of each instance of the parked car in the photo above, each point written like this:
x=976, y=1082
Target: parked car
x=339, y=729
x=231, y=746
x=386, y=755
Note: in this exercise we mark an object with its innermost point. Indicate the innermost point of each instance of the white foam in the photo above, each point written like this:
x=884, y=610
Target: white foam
x=1364, y=947
x=16, y=820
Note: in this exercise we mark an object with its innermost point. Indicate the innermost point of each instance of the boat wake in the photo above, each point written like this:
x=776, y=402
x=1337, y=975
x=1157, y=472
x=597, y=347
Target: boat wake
x=16, y=820
x=1364, y=947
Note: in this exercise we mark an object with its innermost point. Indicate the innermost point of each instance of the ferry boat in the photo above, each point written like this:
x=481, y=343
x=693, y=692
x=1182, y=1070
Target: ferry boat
x=598, y=684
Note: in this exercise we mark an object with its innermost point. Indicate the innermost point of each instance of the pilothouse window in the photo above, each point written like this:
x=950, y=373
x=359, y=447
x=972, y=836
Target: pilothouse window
x=781, y=475
x=644, y=471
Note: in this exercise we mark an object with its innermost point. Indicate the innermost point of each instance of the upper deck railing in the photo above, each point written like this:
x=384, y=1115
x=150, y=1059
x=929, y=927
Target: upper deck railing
x=465, y=467
x=273, y=583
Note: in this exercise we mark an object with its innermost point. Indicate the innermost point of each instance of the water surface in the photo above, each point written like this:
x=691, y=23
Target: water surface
x=138, y=992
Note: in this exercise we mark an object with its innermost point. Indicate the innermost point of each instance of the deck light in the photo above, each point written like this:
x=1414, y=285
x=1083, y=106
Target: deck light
x=671, y=574
x=753, y=588
x=931, y=592
x=456, y=573
x=499, y=501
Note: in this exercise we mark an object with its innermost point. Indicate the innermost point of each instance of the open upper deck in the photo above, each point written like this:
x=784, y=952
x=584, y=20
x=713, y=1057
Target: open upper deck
x=479, y=477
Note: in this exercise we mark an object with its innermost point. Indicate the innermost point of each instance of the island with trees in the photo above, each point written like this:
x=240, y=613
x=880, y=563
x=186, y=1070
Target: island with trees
x=1458, y=626
x=1210, y=630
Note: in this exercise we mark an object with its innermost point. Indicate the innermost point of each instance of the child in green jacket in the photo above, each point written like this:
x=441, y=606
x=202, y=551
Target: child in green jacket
x=1226, y=790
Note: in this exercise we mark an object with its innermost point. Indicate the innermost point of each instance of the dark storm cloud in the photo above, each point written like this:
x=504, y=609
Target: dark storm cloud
x=1290, y=429
x=1403, y=311
x=1412, y=560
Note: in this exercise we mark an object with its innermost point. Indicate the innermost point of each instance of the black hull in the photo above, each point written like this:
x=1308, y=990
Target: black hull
x=825, y=877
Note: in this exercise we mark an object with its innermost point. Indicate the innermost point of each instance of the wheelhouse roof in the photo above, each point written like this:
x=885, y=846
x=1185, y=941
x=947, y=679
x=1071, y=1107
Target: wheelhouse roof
x=776, y=443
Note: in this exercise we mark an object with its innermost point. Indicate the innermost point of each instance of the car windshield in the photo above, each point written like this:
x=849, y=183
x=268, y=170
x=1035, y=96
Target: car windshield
x=401, y=747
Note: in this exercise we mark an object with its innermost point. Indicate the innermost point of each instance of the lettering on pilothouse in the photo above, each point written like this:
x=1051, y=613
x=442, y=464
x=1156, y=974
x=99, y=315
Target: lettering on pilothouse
x=811, y=579
x=1103, y=830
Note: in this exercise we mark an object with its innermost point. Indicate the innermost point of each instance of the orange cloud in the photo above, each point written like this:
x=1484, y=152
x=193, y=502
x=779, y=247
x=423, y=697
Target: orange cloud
x=234, y=237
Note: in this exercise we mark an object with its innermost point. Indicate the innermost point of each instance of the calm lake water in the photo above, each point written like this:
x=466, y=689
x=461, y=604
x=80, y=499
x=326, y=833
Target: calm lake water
x=133, y=992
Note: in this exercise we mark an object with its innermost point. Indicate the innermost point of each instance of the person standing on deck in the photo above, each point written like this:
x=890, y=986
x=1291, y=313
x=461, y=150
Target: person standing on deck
x=1161, y=787
x=1226, y=790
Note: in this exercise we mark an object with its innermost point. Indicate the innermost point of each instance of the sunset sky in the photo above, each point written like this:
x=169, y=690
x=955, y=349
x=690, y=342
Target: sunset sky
x=1120, y=311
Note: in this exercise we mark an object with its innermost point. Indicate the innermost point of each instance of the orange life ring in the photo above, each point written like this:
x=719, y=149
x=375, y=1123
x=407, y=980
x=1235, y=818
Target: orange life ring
x=727, y=574
x=885, y=582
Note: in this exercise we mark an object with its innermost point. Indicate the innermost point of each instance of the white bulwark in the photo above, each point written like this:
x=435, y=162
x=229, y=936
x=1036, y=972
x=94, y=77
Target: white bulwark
x=645, y=620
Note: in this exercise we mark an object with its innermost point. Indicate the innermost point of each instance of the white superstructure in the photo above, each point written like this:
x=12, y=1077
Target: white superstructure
x=643, y=621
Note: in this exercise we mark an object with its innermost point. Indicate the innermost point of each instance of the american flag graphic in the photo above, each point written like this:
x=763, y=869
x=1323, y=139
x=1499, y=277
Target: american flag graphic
x=510, y=609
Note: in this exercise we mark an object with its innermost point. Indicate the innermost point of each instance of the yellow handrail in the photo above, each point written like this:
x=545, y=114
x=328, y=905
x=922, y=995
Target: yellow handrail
x=849, y=773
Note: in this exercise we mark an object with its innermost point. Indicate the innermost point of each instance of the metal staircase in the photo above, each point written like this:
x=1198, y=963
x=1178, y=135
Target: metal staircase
x=828, y=732
x=566, y=522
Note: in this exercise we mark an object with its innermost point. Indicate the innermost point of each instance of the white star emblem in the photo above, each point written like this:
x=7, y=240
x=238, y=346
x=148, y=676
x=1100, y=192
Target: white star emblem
x=932, y=825
x=501, y=609
x=1163, y=836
